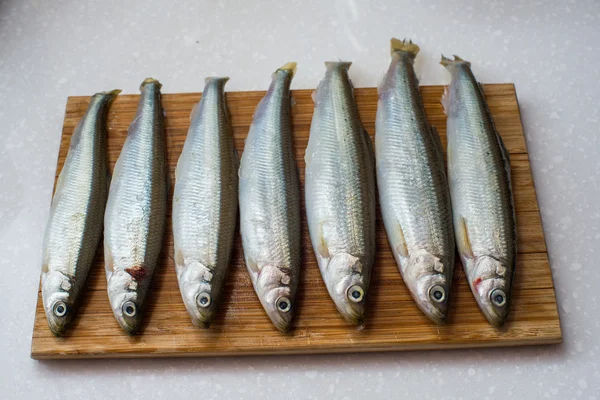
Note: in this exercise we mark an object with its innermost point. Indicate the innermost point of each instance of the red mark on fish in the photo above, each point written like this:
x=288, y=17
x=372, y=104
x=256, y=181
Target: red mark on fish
x=138, y=272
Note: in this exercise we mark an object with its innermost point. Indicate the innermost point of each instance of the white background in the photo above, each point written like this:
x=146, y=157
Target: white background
x=52, y=49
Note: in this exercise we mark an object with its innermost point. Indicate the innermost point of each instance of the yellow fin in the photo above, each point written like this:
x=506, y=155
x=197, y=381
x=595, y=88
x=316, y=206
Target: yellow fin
x=218, y=79
x=112, y=93
x=406, y=46
x=179, y=261
x=149, y=81
x=401, y=247
x=322, y=248
x=109, y=264
x=289, y=67
x=449, y=63
x=253, y=266
x=462, y=239
x=338, y=64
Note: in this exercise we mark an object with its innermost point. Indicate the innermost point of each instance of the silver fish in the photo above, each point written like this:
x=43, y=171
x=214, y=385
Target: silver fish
x=340, y=193
x=480, y=189
x=270, y=203
x=136, y=211
x=413, y=190
x=205, y=204
x=74, y=227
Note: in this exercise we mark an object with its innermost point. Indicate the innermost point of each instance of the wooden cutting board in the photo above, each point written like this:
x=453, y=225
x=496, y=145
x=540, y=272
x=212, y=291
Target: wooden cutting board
x=393, y=321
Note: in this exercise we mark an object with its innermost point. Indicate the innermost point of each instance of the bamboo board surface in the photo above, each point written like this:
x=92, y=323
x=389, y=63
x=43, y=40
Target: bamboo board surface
x=393, y=321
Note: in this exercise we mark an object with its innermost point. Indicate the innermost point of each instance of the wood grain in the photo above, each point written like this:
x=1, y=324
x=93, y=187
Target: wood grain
x=393, y=321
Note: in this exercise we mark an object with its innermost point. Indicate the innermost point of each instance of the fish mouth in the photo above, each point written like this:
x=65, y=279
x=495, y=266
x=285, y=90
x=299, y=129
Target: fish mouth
x=283, y=324
x=352, y=315
x=496, y=319
x=129, y=326
x=202, y=322
x=284, y=328
x=57, y=326
x=434, y=314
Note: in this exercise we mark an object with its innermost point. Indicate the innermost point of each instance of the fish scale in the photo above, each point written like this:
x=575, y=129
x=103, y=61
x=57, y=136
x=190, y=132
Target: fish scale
x=413, y=191
x=205, y=204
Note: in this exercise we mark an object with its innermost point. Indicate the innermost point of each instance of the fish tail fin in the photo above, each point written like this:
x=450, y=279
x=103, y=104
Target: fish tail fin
x=111, y=95
x=289, y=68
x=449, y=63
x=220, y=79
x=338, y=64
x=406, y=46
x=149, y=81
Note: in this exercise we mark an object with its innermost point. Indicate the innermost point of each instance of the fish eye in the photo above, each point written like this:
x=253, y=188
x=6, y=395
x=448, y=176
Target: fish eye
x=203, y=299
x=498, y=297
x=437, y=294
x=284, y=304
x=355, y=293
x=59, y=309
x=129, y=308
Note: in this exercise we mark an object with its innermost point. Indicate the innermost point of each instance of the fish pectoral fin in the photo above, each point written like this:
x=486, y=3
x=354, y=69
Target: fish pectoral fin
x=179, y=260
x=109, y=264
x=462, y=239
x=253, y=268
x=322, y=247
x=401, y=247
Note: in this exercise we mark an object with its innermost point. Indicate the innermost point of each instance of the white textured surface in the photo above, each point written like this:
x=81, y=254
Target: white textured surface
x=52, y=49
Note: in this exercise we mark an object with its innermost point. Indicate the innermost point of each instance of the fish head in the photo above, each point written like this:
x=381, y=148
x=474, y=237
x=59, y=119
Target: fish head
x=198, y=292
x=276, y=294
x=427, y=282
x=490, y=284
x=58, y=300
x=347, y=286
x=123, y=295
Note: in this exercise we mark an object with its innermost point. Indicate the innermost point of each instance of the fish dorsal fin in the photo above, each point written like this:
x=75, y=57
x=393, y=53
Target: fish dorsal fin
x=462, y=239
